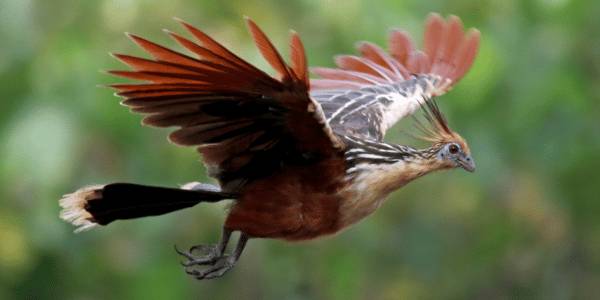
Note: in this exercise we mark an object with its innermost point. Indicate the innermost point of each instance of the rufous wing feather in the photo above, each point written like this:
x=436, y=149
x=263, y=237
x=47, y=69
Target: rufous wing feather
x=233, y=112
x=299, y=64
x=268, y=51
x=447, y=54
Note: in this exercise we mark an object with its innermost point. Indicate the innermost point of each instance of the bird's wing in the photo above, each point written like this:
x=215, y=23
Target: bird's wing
x=241, y=119
x=368, y=94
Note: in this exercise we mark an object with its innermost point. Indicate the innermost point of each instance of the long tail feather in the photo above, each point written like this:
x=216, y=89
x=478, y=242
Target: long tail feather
x=96, y=205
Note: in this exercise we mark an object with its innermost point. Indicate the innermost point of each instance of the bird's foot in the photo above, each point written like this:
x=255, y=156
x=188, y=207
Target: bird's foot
x=207, y=255
x=217, y=269
x=210, y=261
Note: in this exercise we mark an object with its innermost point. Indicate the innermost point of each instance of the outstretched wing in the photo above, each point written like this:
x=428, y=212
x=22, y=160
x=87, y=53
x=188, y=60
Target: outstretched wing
x=244, y=122
x=368, y=94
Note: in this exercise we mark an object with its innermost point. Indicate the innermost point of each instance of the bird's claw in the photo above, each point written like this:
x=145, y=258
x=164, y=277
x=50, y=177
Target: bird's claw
x=218, y=264
x=218, y=268
x=211, y=261
x=208, y=255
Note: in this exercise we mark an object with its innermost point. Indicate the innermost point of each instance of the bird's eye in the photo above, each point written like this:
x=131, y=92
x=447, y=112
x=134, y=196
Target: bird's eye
x=453, y=148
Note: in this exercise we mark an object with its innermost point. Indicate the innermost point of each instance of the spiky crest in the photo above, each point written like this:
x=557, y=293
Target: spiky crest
x=436, y=129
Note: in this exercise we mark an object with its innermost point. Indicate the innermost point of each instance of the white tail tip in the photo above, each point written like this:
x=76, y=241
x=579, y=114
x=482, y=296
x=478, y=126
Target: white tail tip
x=74, y=204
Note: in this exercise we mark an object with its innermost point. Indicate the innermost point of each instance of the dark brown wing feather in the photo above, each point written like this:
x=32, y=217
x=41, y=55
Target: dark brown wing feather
x=244, y=122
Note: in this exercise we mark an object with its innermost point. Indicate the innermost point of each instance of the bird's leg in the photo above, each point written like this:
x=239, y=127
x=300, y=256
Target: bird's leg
x=209, y=254
x=223, y=263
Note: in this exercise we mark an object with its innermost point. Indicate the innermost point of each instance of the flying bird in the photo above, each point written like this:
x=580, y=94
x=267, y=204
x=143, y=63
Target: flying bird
x=300, y=158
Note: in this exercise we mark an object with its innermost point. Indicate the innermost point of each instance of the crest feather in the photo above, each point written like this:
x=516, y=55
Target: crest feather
x=436, y=129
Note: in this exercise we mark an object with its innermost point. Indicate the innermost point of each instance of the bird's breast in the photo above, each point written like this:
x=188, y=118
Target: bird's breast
x=368, y=190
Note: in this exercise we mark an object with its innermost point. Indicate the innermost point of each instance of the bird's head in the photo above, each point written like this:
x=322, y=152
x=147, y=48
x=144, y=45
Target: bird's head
x=455, y=153
x=449, y=149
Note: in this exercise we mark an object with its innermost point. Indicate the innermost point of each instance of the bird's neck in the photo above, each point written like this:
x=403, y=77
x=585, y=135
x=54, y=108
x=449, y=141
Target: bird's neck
x=375, y=170
x=428, y=160
x=422, y=162
x=384, y=170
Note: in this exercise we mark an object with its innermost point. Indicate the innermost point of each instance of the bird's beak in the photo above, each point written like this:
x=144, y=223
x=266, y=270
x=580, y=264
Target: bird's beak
x=466, y=162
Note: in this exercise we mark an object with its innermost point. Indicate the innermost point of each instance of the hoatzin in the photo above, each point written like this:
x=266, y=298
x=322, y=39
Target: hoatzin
x=300, y=158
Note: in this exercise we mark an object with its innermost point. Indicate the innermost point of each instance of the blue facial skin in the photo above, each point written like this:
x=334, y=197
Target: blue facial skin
x=453, y=152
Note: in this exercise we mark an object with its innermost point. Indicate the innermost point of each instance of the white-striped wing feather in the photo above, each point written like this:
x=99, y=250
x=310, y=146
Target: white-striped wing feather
x=372, y=110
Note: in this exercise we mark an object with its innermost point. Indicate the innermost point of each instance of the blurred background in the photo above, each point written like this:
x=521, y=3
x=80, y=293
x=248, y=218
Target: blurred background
x=525, y=225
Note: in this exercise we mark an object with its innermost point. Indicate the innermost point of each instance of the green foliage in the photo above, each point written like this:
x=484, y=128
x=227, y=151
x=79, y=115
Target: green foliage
x=525, y=225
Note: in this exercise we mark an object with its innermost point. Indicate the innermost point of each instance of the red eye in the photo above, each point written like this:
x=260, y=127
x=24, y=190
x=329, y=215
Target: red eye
x=453, y=149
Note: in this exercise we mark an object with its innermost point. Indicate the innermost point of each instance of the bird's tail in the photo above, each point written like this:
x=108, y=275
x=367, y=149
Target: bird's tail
x=101, y=204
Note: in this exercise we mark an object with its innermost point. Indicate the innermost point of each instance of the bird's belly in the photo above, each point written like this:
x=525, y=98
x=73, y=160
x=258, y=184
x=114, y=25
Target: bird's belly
x=289, y=216
x=297, y=204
